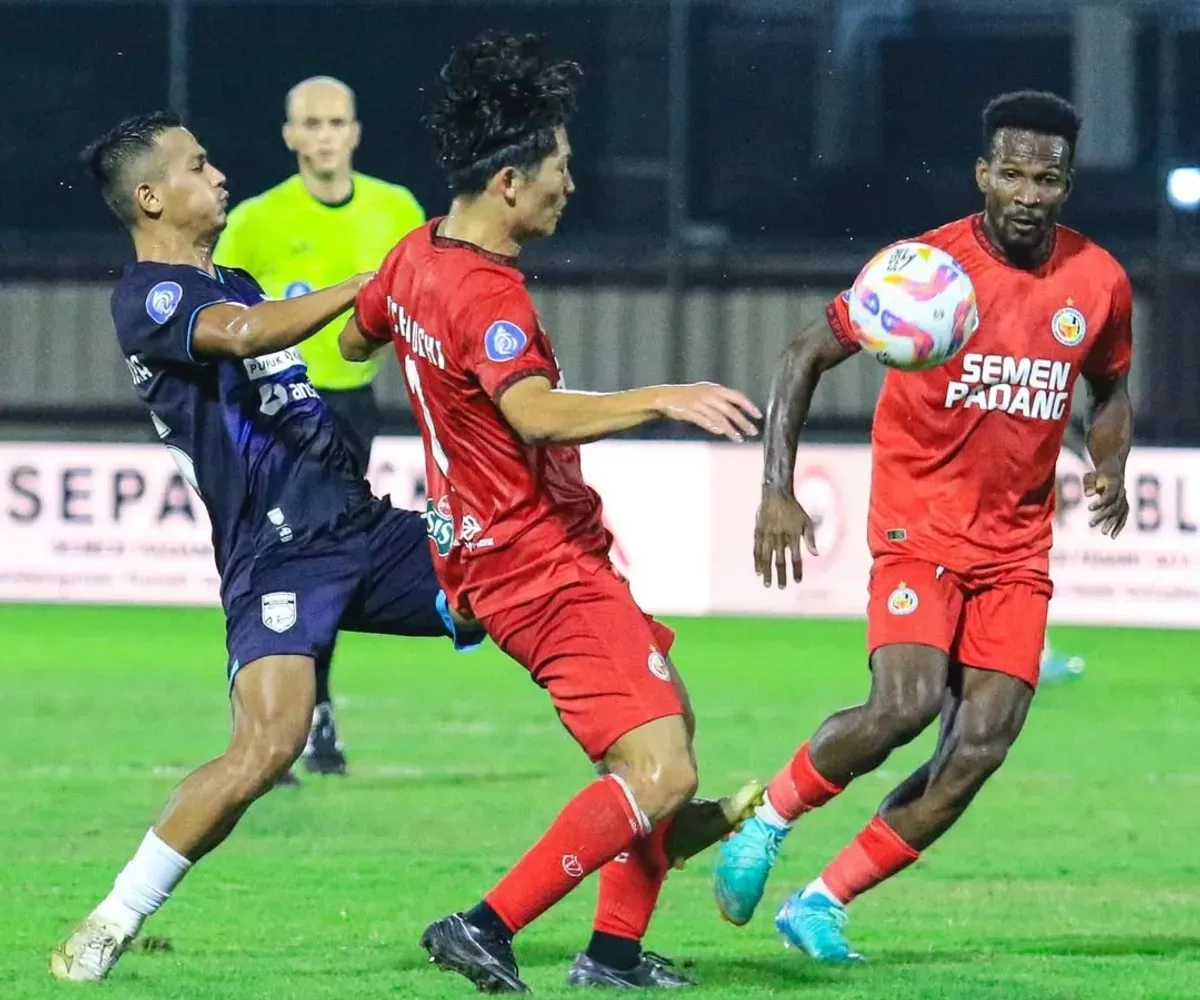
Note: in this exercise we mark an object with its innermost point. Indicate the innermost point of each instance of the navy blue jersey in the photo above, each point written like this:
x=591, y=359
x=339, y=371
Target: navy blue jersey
x=252, y=436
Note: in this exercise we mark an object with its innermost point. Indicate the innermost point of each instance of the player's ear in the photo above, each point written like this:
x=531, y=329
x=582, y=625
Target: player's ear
x=506, y=183
x=288, y=141
x=355, y=135
x=147, y=199
x=981, y=174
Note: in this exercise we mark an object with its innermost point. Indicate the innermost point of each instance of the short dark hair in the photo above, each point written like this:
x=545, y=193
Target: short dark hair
x=107, y=159
x=1031, y=111
x=500, y=106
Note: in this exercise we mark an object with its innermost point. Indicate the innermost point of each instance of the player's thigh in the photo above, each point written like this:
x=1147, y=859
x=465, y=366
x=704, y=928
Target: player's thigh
x=272, y=700
x=913, y=615
x=1004, y=629
x=399, y=594
x=289, y=602
x=593, y=649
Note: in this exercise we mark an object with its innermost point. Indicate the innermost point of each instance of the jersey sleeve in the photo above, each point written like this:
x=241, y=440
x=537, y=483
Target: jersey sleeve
x=837, y=313
x=498, y=339
x=235, y=248
x=1112, y=352
x=156, y=317
x=371, y=309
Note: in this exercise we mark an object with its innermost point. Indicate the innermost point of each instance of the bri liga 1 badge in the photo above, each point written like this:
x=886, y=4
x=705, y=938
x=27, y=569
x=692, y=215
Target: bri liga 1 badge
x=903, y=600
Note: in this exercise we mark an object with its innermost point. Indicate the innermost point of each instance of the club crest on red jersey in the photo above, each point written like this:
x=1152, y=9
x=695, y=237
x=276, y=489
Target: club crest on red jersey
x=657, y=665
x=1068, y=326
x=903, y=600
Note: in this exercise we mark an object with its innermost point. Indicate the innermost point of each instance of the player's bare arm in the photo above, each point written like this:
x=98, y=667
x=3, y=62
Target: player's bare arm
x=356, y=345
x=541, y=414
x=782, y=524
x=226, y=330
x=1109, y=438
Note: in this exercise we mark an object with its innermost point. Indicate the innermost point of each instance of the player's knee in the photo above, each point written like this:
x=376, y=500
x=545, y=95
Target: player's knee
x=900, y=720
x=666, y=785
x=263, y=761
x=973, y=762
x=656, y=763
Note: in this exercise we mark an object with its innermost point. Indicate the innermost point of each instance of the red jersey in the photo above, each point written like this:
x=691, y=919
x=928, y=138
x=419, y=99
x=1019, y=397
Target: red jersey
x=963, y=455
x=508, y=522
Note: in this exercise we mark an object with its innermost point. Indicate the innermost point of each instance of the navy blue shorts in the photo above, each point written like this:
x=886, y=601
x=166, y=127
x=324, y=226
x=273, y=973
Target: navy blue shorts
x=376, y=576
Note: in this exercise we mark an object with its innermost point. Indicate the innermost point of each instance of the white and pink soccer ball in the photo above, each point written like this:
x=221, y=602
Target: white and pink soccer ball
x=912, y=307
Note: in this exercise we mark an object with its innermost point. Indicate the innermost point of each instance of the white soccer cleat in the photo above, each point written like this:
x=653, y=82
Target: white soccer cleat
x=91, y=951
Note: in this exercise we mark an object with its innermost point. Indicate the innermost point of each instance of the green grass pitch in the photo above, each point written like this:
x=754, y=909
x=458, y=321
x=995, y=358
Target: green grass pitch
x=1075, y=875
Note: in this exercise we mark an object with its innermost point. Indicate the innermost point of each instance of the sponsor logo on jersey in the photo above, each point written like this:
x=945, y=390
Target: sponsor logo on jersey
x=296, y=288
x=1024, y=387
x=419, y=342
x=272, y=364
x=137, y=369
x=903, y=600
x=657, y=665
x=279, y=610
x=503, y=340
x=162, y=300
x=1068, y=326
x=439, y=524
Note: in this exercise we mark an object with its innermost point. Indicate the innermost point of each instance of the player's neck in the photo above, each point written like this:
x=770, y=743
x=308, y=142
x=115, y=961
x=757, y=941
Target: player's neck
x=473, y=222
x=174, y=248
x=335, y=189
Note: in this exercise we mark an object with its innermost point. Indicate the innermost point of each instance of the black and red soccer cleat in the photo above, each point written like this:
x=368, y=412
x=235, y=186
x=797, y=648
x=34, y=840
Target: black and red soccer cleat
x=482, y=955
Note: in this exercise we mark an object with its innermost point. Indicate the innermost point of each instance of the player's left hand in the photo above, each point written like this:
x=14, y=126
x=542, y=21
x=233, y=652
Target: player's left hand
x=1110, y=506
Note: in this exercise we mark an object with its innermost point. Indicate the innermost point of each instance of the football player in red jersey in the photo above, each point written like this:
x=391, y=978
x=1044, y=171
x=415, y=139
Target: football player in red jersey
x=962, y=497
x=519, y=538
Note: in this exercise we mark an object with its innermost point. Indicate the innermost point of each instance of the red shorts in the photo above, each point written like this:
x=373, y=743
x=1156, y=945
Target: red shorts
x=603, y=659
x=992, y=621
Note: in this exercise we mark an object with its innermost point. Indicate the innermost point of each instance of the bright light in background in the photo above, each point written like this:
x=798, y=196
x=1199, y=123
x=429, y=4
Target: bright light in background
x=1183, y=188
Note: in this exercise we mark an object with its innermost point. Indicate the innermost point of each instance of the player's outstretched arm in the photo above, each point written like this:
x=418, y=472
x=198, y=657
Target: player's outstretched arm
x=541, y=414
x=782, y=524
x=224, y=330
x=1109, y=438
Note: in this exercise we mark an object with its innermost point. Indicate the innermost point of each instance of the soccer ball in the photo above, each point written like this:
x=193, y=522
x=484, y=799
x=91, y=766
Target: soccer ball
x=912, y=307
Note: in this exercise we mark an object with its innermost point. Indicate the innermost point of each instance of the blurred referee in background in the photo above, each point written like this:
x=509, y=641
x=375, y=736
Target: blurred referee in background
x=320, y=226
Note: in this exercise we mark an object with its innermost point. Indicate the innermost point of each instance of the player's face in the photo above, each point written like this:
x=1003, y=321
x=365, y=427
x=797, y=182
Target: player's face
x=188, y=193
x=541, y=197
x=1024, y=185
x=321, y=128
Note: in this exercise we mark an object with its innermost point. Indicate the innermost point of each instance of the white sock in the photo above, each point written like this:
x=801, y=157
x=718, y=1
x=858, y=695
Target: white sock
x=144, y=884
x=818, y=887
x=766, y=812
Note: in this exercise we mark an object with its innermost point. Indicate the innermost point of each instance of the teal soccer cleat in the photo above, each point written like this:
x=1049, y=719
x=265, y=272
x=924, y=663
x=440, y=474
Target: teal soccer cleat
x=814, y=922
x=743, y=865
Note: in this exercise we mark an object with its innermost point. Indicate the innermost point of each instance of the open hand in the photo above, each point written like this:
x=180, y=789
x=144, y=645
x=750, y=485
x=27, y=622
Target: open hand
x=714, y=408
x=1110, y=506
x=782, y=525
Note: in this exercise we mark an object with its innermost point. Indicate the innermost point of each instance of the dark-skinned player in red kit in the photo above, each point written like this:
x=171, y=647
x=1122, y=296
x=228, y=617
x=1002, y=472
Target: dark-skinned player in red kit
x=962, y=497
x=519, y=539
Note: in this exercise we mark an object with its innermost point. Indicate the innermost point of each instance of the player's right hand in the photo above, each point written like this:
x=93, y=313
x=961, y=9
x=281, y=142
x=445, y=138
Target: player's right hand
x=360, y=280
x=716, y=409
x=782, y=525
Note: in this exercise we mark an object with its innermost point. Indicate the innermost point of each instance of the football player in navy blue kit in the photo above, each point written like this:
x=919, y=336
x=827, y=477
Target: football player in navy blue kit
x=302, y=546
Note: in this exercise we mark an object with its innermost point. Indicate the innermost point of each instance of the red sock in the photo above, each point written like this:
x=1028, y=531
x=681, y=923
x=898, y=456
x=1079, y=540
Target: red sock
x=630, y=885
x=799, y=787
x=594, y=827
x=877, y=853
